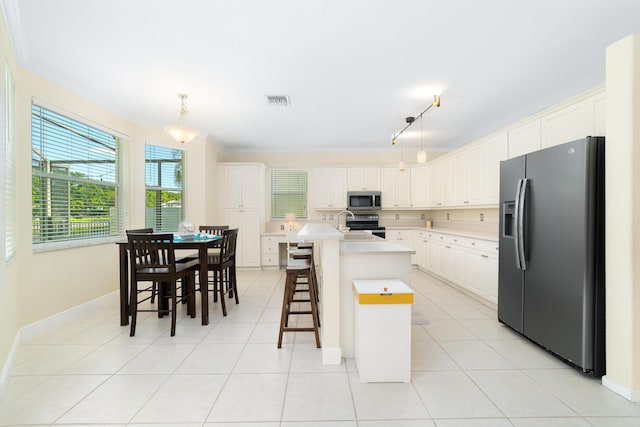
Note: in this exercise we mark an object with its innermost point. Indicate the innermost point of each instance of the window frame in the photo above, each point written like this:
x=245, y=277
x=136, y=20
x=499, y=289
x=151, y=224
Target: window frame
x=10, y=201
x=120, y=184
x=272, y=193
x=159, y=188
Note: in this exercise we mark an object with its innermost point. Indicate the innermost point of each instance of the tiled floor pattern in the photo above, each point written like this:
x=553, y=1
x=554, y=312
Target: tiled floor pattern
x=467, y=371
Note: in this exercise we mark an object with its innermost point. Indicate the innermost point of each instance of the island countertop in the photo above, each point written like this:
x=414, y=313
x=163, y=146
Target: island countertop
x=319, y=231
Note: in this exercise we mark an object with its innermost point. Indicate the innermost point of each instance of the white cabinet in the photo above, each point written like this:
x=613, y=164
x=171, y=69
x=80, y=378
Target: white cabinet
x=484, y=170
x=242, y=190
x=524, y=139
x=330, y=188
x=434, y=181
x=269, y=251
x=481, y=264
x=396, y=188
x=247, y=221
x=596, y=114
x=402, y=237
x=447, y=181
x=420, y=186
x=363, y=179
x=242, y=185
x=461, y=163
x=467, y=262
x=564, y=125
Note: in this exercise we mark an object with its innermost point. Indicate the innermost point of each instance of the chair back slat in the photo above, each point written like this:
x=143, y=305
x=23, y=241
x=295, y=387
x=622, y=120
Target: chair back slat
x=229, y=244
x=139, y=231
x=151, y=251
x=214, y=230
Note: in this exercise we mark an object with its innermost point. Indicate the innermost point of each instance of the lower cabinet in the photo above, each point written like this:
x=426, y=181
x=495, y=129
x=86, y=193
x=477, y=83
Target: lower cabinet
x=466, y=262
x=404, y=238
x=270, y=251
x=247, y=222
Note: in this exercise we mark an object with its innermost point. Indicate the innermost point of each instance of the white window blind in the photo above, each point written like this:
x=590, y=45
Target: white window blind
x=163, y=176
x=77, y=179
x=10, y=171
x=288, y=193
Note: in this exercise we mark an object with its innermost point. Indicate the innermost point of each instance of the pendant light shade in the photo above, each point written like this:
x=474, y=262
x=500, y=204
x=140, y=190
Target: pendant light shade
x=180, y=132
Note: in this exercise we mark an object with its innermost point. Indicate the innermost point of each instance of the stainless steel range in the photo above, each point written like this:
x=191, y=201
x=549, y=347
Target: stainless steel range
x=366, y=222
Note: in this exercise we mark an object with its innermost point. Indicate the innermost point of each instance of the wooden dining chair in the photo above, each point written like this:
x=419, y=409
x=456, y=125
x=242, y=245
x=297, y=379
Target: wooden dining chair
x=145, y=231
x=223, y=267
x=153, y=260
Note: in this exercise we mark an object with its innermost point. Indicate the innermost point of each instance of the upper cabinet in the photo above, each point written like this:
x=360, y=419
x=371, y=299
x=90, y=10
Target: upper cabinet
x=596, y=114
x=330, y=185
x=396, y=188
x=420, y=186
x=243, y=185
x=524, y=139
x=435, y=192
x=363, y=179
x=565, y=125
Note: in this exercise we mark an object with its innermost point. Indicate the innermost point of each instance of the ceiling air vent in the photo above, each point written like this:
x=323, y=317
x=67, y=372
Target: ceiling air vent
x=278, y=100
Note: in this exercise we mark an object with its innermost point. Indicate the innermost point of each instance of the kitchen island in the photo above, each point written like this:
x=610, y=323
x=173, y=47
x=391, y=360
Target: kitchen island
x=343, y=258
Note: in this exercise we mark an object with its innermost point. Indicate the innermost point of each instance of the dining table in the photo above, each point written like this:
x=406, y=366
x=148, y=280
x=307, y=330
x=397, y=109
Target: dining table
x=201, y=243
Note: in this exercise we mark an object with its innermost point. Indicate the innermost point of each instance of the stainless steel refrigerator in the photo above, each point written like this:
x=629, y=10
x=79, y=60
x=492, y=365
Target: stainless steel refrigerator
x=551, y=265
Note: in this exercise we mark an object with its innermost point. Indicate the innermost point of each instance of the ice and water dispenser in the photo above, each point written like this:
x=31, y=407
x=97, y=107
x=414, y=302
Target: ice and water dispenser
x=509, y=219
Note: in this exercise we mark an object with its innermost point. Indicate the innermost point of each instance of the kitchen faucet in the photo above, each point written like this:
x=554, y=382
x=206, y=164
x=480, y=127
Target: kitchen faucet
x=340, y=213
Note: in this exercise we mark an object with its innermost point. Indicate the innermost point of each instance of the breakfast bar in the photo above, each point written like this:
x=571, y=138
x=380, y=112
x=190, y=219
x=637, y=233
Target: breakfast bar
x=344, y=258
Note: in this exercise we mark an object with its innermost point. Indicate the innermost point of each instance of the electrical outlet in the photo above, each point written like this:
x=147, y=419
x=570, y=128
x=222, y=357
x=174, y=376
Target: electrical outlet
x=481, y=217
x=282, y=227
x=330, y=217
x=447, y=216
x=397, y=216
x=422, y=217
x=324, y=217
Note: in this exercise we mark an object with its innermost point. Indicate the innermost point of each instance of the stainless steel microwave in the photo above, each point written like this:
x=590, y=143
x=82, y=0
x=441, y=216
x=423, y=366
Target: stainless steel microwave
x=364, y=200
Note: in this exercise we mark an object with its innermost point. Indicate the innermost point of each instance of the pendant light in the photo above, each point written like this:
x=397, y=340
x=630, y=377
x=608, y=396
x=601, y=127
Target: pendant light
x=180, y=132
x=422, y=155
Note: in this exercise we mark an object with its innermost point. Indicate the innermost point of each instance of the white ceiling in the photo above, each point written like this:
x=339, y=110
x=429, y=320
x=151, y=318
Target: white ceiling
x=353, y=69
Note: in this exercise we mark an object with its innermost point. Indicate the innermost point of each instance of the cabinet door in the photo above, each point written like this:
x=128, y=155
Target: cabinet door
x=457, y=264
x=476, y=164
x=388, y=185
x=495, y=151
x=363, y=179
x=524, y=139
x=491, y=277
x=232, y=177
x=420, y=186
x=436, y=194
x=447, y=174
x=461, y=178
x=322, y=187
x=330, y=188
x=250, y=188
x=403, y=189
x=338, y=188
x=431, y=255
x=565, y=125
x=249, y=236
x=596, y=114
x=444, y=260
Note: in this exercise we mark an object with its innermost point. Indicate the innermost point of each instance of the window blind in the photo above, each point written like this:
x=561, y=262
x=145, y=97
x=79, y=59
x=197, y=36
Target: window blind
x=77, y=179
x=10, y=171
x=288, y=193
x=164, y=178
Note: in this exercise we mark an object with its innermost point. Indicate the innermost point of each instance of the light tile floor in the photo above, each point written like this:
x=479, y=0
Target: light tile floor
x=467, y=371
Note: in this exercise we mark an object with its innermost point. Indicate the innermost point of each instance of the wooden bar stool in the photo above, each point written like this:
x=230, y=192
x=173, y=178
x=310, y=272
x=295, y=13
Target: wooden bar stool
x=296, y=270
x=306, y=252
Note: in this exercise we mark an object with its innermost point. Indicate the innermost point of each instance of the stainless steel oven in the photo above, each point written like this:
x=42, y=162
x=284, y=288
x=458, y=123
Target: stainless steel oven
x=366, y=222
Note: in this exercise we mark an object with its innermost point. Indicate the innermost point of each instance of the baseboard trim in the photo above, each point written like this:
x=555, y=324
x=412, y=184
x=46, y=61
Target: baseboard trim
x=47, y=324
x=331, y=355
x=8, y=365
x=624, y=391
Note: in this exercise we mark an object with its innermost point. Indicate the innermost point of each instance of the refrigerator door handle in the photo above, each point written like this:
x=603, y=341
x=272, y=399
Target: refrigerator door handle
x=520, y=219
x=516, y=234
